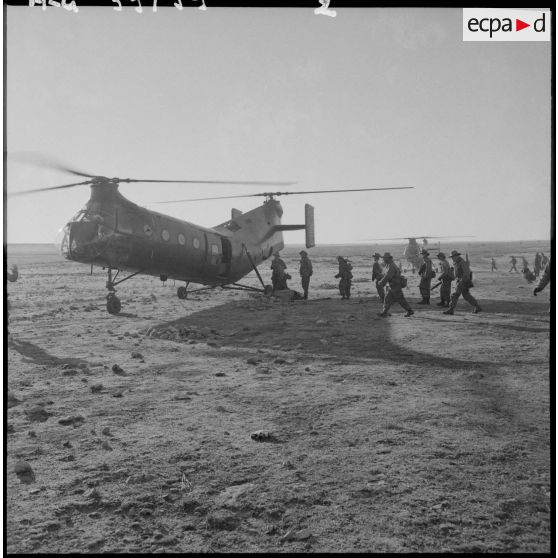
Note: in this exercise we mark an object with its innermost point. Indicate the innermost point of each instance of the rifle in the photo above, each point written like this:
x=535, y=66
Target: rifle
x=436, y=285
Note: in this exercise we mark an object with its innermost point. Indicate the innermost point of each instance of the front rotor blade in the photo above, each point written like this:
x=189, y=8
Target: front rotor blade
x=38, y=160
x=247, y=183
x=50, y=188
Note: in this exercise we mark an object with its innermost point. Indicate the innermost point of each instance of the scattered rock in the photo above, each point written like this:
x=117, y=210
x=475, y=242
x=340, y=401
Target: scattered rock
x=24, y=472
x=137, y=355
x=117, y=393
x=96, y=388
x=117, y=370
x=106, y=446
x=230, y=496
x=220, y=374
x=37, y=414
x=252, y=360
x=67, y=444
x=106, y=431
x=223, y=520
x=263, y=436
x=12, y=400
x=75, y=420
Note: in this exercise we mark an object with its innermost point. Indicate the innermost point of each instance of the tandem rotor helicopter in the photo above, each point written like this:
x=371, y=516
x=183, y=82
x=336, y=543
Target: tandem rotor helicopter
x=114, y=233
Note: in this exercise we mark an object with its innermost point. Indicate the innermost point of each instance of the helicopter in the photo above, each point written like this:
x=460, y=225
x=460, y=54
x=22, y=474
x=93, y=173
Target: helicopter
x=120, y=236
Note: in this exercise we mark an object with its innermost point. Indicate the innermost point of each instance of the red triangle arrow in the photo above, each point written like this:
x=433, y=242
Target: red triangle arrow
x=519, y=25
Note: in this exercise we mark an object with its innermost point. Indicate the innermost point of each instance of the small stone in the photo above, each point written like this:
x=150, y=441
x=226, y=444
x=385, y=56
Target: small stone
x=106, y=446
x=67, y=444
x=117, y=393
x=252, y=360
x=220, y=374
x=137, y=355
x=117, y=370
x=96, y=388
x=24, y=472
x=37, y=414
x=261, y=435
x=106, y=431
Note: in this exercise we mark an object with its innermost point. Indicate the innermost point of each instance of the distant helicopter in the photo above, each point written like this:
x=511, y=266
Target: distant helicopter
x=116, y=234
x=412, y=251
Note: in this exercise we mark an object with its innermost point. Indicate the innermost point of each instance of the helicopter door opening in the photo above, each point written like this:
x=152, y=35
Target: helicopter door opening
x=226, y=257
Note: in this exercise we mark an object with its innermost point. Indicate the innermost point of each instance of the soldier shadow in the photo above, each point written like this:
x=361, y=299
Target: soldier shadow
x=36, y=355
x=329, y=328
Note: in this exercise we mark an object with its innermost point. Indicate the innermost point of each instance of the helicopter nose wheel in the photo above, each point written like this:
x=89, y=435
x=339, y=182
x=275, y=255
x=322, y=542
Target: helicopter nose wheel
x=113, y=304
x=182, y=293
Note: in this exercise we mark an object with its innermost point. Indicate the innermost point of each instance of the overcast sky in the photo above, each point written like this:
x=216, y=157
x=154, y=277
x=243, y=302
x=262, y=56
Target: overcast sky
x=370, y=98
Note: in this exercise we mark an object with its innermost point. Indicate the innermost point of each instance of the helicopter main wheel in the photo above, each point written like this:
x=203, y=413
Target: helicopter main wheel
x=268, y=290
x=113, y=304
x=182, y=293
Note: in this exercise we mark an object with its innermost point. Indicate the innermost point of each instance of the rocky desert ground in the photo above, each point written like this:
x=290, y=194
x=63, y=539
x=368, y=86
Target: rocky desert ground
x=232, y=422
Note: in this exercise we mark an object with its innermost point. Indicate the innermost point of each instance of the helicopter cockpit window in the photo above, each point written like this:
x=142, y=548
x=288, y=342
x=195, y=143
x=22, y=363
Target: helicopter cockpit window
x=126, y=222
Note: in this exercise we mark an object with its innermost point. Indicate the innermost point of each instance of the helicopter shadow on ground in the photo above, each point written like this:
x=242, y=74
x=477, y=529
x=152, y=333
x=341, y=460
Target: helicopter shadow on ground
x=36, y=355
x=329, y=328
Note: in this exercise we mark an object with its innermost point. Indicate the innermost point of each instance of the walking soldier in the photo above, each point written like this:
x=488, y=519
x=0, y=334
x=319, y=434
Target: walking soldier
x=426, y=273
x=393, y=279
x=445, y=278
x=377, y=275
x=305, y=271
x=464, y=283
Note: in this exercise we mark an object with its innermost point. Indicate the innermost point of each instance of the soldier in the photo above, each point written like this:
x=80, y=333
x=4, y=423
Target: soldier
x=305, y=271
x=446, y=277
x=345, y=277
x=544, y=280
x=377, y=275
x=464, y=283
x=278, y=274
x=513, y=261
x=493, y=265
x=392, y=278
x=524, y=264
x=537, y=265
x=12, y=277
x=426, y=273
x=544, y=260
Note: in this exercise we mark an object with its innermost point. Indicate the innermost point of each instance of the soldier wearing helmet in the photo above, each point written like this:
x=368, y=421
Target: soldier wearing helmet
x=392, y=278
x=445, y=278
x=464, y=283
x=426, y=275
x=377, y=274
x=306, y=271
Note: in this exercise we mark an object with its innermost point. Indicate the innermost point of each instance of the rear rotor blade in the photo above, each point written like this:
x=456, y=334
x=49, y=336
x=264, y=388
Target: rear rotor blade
x=50, y=188
x=290, y=193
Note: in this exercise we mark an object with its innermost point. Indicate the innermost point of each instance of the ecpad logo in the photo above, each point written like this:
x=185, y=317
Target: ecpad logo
x=506, y=25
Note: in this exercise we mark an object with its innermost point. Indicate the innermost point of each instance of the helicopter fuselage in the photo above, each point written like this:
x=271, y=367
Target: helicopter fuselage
x=113, y=232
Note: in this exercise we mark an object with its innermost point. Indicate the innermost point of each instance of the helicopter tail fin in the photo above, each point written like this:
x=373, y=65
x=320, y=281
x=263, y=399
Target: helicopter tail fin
x=309, y=220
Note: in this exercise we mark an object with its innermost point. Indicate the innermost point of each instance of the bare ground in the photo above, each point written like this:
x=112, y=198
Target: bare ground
x=377, y=435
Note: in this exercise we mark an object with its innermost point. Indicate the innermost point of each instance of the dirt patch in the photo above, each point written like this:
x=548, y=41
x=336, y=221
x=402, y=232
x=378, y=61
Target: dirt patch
x=230, y=422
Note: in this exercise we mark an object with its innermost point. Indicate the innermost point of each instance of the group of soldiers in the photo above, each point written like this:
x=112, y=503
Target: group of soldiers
x=390, y=282
x=539, y=265
x=392, y=277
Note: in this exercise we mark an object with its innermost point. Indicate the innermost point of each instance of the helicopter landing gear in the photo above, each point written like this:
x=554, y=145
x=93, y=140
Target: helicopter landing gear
x=113, y=303
x=182, y=293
